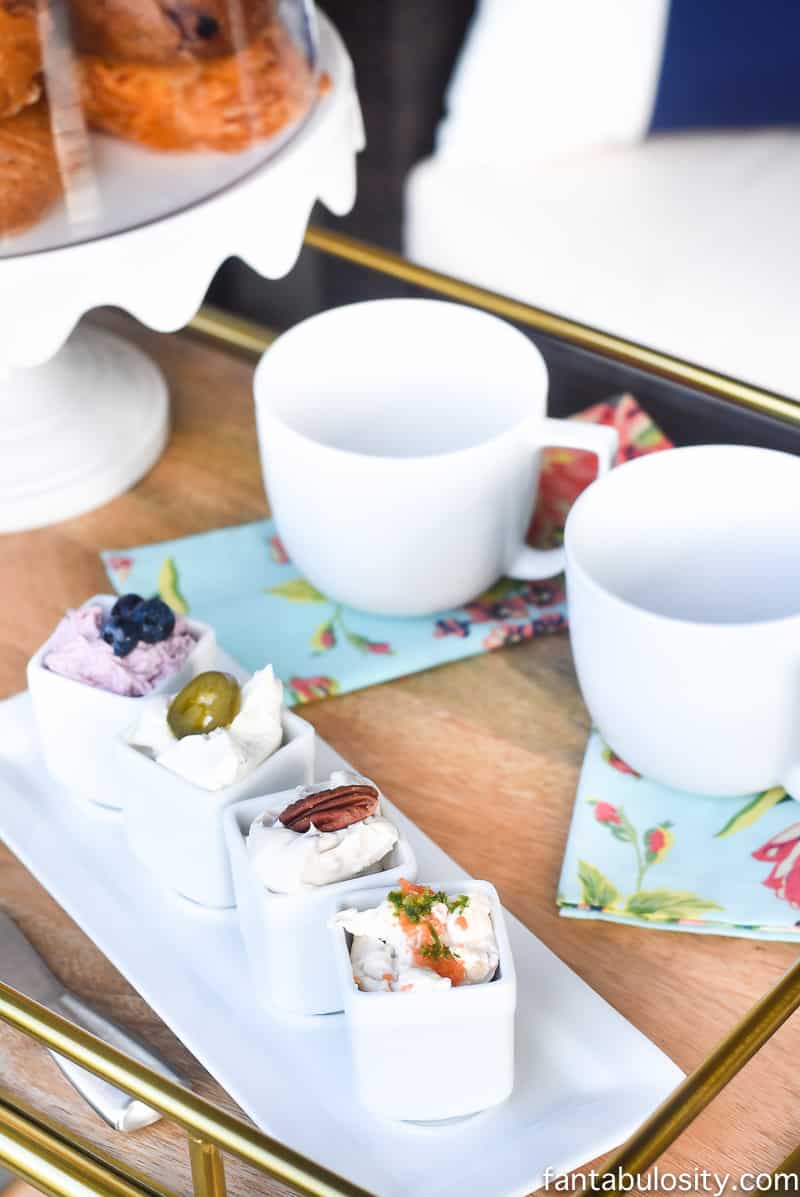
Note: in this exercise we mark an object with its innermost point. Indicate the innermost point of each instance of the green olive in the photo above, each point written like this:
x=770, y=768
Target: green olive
x=210, y=700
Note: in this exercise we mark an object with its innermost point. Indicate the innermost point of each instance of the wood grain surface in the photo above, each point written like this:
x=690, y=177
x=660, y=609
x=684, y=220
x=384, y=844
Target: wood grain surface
x=483, y=755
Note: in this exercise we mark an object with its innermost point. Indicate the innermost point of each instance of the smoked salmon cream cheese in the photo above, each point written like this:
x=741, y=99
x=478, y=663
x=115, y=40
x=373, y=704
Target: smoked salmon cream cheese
x=418, y=938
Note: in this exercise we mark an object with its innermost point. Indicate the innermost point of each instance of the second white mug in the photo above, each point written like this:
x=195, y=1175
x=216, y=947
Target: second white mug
x=683, y=582
x=401, y=445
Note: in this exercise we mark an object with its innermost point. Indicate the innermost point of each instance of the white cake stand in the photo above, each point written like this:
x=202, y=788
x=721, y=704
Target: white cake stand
x=84, y=414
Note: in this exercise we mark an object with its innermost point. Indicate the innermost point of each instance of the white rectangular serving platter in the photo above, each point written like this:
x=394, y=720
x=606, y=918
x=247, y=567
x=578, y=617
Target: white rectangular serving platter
x=585, y=1077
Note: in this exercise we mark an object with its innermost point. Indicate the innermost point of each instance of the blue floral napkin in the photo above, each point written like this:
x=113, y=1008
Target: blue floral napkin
x=641, y=853
x=242, y=581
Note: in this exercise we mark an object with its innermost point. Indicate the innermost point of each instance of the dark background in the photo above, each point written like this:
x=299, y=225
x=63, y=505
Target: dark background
x=404, y=52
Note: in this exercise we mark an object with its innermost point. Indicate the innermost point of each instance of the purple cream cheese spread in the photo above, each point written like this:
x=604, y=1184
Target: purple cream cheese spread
x=77, y=650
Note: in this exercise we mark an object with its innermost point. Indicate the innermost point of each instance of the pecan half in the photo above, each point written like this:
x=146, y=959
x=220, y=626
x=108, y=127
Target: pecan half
x=331, y=810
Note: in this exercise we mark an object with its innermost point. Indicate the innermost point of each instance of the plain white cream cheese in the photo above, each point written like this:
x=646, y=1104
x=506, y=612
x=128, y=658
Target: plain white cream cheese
x=223, y=757
x=287, y=861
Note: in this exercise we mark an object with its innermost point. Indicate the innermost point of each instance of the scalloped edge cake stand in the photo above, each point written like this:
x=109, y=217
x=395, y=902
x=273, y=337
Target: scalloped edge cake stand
x=84, y=414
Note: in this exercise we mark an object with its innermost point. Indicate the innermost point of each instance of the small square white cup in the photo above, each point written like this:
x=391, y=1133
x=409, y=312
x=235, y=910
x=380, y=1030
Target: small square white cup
x=79, y=724
x=289, y=946
x=175, y=828
x=437, y=1053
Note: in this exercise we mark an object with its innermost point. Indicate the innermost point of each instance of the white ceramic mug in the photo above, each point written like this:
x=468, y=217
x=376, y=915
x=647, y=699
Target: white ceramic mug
x=683, y=581
x=401, y=442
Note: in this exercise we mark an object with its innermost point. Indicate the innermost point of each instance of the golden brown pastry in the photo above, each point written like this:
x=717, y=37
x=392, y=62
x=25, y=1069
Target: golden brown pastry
x=223, y=104
x=165, y=31
x=20, y=59
x=29, y=178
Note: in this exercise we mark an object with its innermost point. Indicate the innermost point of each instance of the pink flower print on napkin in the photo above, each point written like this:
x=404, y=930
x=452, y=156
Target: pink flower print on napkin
x=121, y=566
x=324, y=637
x=657, y=842
x=647, y=849
x=310, y=689
x=604, y=812
x=566, y=472
x=783, y=853
x=277, y=551
x=508, y=633
x=616, y=762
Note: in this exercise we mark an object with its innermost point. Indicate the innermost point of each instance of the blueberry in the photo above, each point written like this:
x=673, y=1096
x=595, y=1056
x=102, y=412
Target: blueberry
x=207, y=27
x=125, y=606
x=122, y=634
x=155, y=621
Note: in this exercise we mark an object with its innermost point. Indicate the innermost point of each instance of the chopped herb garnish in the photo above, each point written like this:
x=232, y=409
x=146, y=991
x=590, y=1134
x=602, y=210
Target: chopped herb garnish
x=436, y=950
x=417, y=903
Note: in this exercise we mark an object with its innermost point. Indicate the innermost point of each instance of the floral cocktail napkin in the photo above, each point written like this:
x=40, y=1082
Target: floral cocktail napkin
x=241, y=581
x=639, y=852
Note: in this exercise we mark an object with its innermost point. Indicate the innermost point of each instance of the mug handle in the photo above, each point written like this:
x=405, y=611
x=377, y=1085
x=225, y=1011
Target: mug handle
x=600, y=439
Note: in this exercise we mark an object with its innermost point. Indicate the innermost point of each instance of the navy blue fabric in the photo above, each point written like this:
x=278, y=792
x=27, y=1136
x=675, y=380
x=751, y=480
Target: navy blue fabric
x=729, y=63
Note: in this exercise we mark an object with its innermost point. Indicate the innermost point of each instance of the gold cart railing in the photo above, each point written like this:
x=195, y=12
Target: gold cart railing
x=58, y=1163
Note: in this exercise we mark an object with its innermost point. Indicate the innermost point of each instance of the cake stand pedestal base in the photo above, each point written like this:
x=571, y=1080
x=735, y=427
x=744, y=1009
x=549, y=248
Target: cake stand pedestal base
x=78, y=430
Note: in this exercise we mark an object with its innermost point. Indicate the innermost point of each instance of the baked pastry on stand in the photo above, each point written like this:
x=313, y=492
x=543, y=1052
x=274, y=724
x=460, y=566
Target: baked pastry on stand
x=30, y=181
x=226, y=103
x=167, y=31
x=84, y=414
x=29, y=173
x=20, y=58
